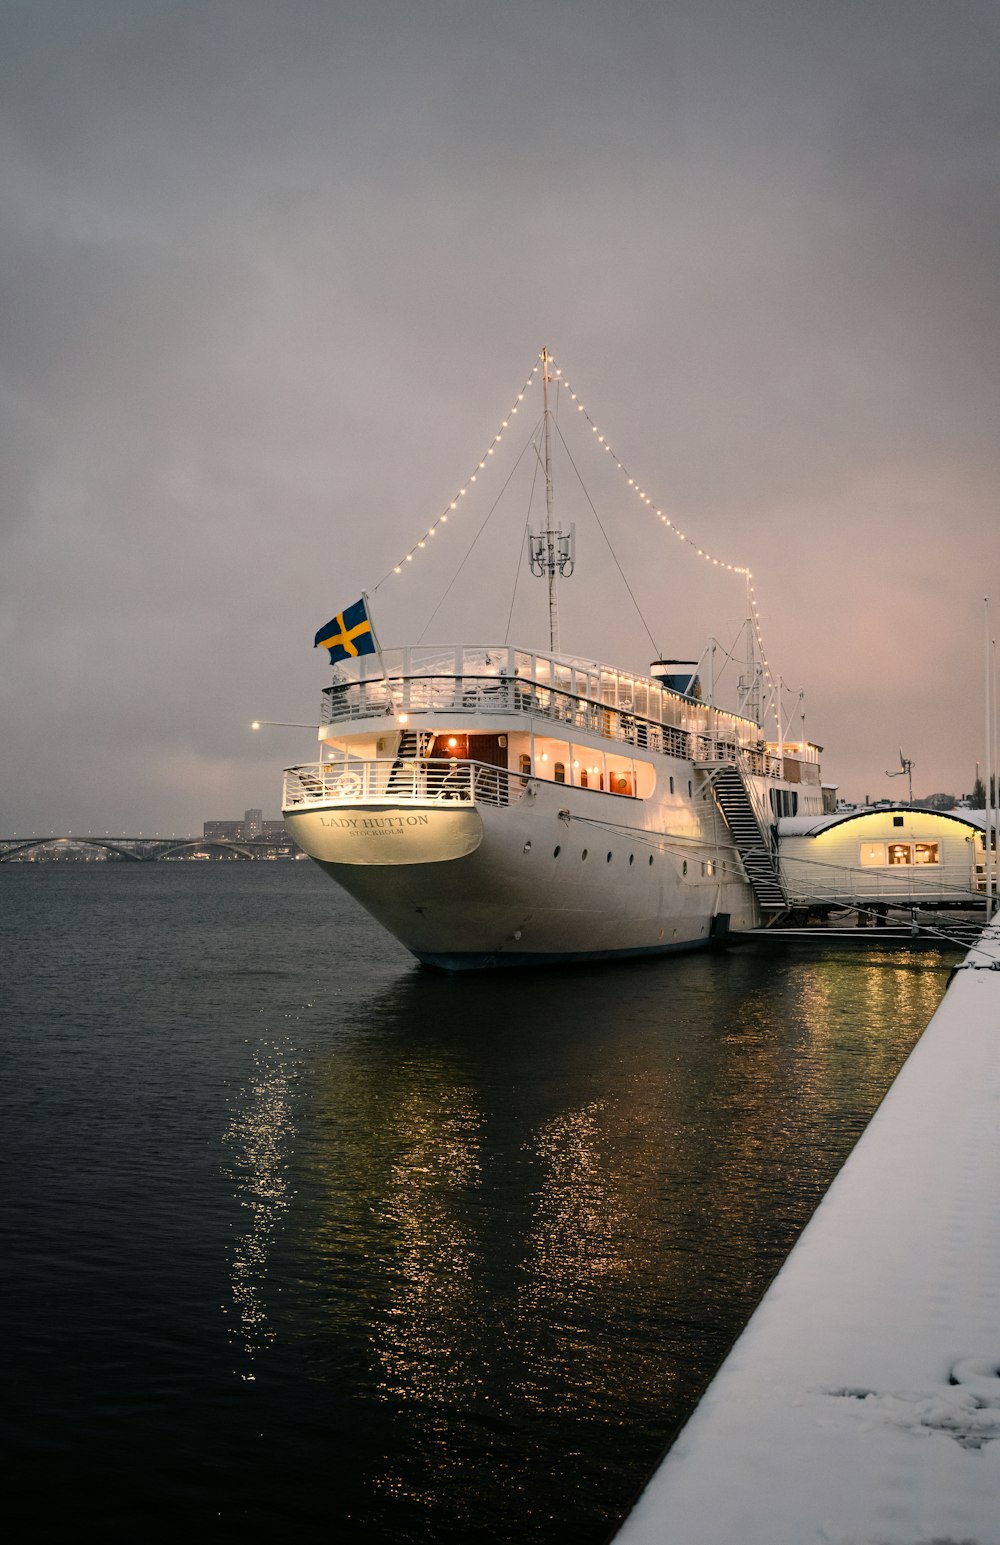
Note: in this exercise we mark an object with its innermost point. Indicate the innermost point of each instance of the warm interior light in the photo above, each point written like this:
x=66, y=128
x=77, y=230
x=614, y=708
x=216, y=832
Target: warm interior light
x=404, y=718
x=452, y=741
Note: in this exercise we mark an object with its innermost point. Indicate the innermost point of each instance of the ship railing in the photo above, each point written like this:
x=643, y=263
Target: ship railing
x=478, y=696
x=808, y=882
x=414, y=781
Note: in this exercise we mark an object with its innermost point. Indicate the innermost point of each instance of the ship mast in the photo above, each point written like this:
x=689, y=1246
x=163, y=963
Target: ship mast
x=550, y=553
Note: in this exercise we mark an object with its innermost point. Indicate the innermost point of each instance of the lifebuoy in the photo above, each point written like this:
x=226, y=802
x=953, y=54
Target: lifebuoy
x=347, y=786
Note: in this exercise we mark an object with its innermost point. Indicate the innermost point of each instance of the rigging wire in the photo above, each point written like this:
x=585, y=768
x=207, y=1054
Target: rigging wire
x=471, y=548
x=524, y=536
x=593, y=509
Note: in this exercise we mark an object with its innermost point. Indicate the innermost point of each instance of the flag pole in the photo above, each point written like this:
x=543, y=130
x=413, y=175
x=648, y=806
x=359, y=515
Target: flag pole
x=378, y=652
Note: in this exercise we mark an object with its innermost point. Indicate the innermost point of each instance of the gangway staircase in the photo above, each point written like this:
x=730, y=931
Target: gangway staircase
x=402, y=774
x=753, y=841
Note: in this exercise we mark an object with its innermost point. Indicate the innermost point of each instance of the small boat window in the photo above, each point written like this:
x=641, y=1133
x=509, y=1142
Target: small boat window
x=925, y=853
x=525, y=765
x=900, y=853
x=583, y=777
x=559, y=772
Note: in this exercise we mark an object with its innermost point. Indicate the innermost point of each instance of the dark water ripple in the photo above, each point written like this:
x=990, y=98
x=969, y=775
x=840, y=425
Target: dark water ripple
x=301, y=1240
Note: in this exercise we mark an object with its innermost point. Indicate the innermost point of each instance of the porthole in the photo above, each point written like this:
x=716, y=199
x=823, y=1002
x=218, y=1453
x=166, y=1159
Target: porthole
x=684, y=867
x=556, y=851
x=527, y=846
x=583, y=855
x=650, y=860
x=631, y=858
x=609, y=858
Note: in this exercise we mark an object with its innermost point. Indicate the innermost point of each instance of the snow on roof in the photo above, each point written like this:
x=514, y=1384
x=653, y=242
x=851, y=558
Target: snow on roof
x=862, y=1402
x=812, y=825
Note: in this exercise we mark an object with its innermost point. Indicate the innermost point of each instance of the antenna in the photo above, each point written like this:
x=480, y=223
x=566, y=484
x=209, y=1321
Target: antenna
x=551, y=552
x=906, y=771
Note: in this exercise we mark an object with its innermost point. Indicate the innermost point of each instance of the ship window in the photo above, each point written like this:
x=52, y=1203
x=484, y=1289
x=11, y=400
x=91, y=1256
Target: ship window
x=684, y=867
x=525, y=765
x=650, y=860
x=559, y=772
x=925, y=853
x=897, y=820
x=690, y=789
x=556, y=851
x=631, y=858
x=527, y=846
x=583, y=855
x=671, y=785
x=583, y=777
x=609, y=858
x=873, y=855
x=900, y=853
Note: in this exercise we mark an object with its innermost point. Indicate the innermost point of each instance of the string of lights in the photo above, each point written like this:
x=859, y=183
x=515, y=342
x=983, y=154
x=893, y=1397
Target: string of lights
x=454, y=504
x=665, y=520
x=633, y=483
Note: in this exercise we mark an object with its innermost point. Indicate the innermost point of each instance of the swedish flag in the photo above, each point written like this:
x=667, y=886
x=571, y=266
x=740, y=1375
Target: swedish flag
x=348, y=635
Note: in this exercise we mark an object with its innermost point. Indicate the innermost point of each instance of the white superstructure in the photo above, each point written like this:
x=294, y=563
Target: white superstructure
x=493, y=805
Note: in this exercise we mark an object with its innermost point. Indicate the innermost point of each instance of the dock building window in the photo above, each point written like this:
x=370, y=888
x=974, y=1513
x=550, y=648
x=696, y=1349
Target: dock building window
x=882, y=855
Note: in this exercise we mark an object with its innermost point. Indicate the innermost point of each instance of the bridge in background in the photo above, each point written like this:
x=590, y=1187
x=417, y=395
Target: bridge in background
x=145, y=850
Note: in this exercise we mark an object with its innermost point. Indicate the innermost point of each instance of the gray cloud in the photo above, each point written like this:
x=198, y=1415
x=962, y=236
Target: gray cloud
x=271, y=275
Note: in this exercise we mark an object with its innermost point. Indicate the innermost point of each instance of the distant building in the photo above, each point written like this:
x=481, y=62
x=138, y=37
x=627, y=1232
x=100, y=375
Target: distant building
x=252, y=826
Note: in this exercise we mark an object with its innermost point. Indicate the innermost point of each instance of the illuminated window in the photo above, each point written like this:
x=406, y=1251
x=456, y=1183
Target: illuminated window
x=873, y=855
x=525, y=765
x=583, y=777
x=900, y=853
x=925, y=853
x=559, y=772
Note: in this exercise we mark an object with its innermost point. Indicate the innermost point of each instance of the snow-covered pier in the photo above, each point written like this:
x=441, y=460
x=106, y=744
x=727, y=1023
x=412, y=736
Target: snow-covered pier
x=861, y=1405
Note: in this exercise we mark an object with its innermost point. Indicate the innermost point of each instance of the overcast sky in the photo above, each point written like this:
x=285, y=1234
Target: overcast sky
x=272, y=273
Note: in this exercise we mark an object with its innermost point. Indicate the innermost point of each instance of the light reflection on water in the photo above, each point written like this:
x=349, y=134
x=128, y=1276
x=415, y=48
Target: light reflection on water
x=257, y=1141
x=572, y=1189
x=308, y=1241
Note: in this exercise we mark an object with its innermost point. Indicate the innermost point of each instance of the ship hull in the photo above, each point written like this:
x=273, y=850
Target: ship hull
x=562, y=877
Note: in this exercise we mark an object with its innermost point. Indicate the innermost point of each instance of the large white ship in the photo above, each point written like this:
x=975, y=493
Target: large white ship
x=499, y=806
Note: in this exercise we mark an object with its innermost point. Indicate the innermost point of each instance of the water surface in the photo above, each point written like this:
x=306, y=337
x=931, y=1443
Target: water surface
x=303, y=1239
